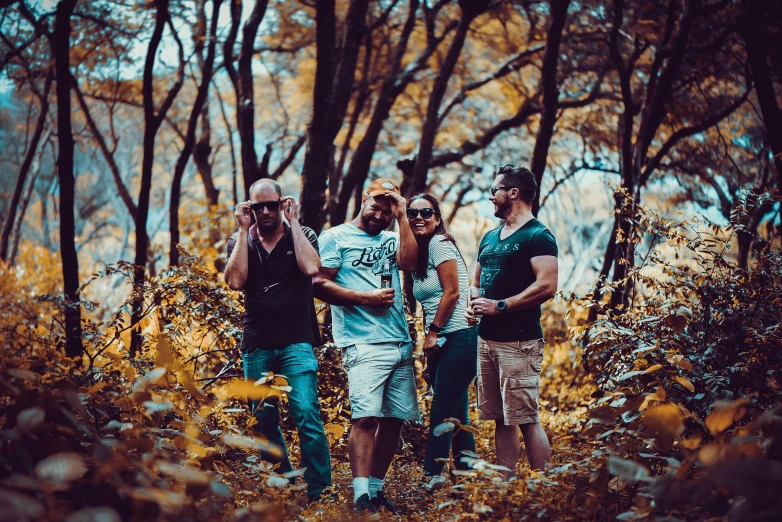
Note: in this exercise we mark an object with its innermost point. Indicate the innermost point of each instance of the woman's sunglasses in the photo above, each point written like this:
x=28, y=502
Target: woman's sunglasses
x=258, y=206
x=426, y=213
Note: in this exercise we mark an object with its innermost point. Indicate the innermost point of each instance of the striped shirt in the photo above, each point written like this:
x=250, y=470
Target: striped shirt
x=429, y=291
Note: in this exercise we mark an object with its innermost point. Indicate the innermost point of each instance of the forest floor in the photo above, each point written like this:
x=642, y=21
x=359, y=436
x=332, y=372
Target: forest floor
x=563, y=407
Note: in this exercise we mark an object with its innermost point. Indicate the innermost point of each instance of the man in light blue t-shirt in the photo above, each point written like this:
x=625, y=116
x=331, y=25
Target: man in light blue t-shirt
x=368, y=323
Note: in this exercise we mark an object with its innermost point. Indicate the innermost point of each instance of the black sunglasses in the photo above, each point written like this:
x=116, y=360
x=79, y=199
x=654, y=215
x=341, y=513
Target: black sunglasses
x=258, y=206
x=426, y=213
x=494, y=190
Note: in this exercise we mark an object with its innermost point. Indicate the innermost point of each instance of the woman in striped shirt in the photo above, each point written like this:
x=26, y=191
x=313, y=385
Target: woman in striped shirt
x=441, y=285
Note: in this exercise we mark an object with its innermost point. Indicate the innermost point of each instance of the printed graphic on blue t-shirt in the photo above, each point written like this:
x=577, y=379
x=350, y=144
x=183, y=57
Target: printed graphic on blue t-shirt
x=359, y=258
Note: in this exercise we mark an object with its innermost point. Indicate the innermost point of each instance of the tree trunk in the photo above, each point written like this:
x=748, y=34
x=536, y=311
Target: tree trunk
x=417, y=180
x=548, y=116
x=61, y=46
x=333, y=89
x=201, y=153
x=362, y=157
x=203, y=147
x=608, y=261
x=152, y=121
x=753, y=27
x=664, y=71
x=319, y=153
x=245, y=95
x=40, y=123
x=124, y=194
x=17, y=233
x=229, y=133
x=190, y=136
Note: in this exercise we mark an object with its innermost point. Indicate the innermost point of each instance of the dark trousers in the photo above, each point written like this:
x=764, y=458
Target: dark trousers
x=453, y=369
x=298, y=364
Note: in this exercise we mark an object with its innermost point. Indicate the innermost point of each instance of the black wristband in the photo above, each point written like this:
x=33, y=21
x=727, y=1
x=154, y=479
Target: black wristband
x=434, y=327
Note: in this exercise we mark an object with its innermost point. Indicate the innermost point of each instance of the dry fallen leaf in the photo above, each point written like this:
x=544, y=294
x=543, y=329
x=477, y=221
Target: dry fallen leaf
x=62, y=467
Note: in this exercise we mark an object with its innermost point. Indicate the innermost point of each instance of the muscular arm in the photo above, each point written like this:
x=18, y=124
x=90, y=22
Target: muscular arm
x=306, y=255
x=540, y=291
x=238, y=265
x=325, y=289
x=544, y=288
x=407, y=254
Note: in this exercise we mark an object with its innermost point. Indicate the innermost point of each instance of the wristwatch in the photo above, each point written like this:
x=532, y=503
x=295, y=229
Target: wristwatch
x=502, y=305
x=434, y=327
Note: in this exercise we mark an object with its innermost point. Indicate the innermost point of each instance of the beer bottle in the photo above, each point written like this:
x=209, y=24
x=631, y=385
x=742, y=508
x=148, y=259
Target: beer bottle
x=385, y=275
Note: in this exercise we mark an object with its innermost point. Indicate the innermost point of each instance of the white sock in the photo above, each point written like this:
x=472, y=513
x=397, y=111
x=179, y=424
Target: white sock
x=360, y=487
x=375, y=485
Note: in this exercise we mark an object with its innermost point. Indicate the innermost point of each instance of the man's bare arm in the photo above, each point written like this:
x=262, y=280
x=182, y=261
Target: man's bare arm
x=327, y=290
x=407, y=253
x=546, y=270
x=306, y=255
x=238, y=266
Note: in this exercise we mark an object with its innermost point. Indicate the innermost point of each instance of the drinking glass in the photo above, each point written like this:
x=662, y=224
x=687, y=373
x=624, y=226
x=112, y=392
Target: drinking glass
x=475, y=293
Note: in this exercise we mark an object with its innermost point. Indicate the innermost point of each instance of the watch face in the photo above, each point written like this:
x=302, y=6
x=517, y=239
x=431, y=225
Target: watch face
x=501, y=305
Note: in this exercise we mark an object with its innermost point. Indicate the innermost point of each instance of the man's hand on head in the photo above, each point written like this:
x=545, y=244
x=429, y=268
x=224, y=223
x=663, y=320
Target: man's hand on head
x=244, y=215
x=291, y=208
x=398, y=204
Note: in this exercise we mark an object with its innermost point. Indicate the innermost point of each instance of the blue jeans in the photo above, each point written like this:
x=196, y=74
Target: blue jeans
x=453, y=369
x=298, y=364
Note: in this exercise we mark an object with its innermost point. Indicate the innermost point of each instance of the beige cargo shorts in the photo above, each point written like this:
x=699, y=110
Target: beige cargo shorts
x=509, y=380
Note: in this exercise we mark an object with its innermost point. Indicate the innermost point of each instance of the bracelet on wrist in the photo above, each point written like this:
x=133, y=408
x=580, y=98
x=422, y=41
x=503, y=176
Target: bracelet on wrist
x=434, y=327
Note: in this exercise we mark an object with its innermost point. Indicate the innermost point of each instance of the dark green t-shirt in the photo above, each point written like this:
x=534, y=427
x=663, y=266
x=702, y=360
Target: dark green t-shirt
x=506, y=271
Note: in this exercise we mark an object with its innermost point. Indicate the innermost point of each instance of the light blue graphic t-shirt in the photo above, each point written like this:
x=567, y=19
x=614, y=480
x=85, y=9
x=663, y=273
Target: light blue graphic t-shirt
x=359, y=258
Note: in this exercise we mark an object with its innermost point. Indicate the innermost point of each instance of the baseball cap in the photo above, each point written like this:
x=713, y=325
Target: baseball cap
x=382, y=185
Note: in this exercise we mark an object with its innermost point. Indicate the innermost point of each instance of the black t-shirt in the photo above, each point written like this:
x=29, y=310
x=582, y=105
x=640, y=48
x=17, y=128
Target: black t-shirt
x=506, y=271
x=278, y=304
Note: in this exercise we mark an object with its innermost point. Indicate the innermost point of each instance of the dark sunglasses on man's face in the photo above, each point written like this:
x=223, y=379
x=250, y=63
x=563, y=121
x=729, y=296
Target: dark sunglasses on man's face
x=258, y=206
x=426, y=213
x=494, y=190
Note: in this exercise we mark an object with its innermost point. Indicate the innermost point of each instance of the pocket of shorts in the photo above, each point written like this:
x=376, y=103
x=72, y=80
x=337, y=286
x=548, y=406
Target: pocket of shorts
x=536, y=358
x=349, y=356
x=523, y=394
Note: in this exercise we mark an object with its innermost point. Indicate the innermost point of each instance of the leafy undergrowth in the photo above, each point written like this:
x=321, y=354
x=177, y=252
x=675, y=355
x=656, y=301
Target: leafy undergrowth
x=669, y=410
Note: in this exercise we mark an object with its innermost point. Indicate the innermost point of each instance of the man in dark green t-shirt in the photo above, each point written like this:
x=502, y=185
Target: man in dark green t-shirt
x=517, y=269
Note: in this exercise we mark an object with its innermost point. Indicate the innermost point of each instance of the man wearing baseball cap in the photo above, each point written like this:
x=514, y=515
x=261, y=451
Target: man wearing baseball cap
x=369, y=325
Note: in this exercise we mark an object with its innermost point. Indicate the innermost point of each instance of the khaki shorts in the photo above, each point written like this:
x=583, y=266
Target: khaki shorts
x=509, y=380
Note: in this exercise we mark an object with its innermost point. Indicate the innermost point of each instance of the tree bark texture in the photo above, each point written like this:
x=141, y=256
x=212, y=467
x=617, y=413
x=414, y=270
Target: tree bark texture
x=29, y=156
x=70, y=261
x=190, y=136
x=548, y=116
